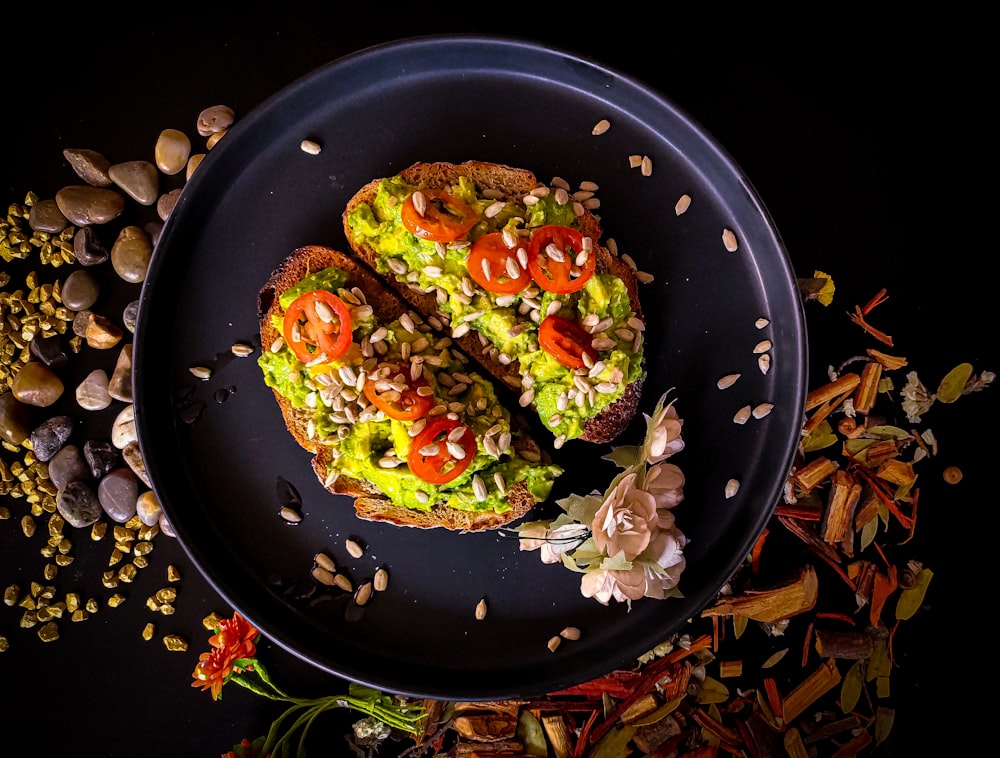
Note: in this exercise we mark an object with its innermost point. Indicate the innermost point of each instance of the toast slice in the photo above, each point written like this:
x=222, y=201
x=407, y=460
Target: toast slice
x=374, y=229
x=357, y=449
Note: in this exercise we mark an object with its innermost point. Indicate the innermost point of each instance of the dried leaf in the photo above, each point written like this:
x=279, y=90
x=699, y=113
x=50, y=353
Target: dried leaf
x=887, y=432
x=912, y=598
x=712, y=691
x=773, y=660
x=740, y=624
x=531, y=733
x=851, y=687
x=954, y=382
x=879, y=663
x=868, y=532
x=883, y=723
x=614, y=744
x=821, y=437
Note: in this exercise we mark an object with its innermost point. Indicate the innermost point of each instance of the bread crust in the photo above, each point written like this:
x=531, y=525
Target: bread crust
x=369, y=502
x=510, y=182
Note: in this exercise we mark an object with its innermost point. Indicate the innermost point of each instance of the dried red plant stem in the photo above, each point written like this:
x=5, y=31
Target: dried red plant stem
x=650, y=676
x=880, y=297
x=859, y=318
x=878, y=488
x=581, y=743
x=758, y=546
x=773, y=697
x=800, y=512
x=720, y=730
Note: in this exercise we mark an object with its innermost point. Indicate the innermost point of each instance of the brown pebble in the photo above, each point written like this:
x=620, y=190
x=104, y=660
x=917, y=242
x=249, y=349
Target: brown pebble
x=173, y=148
x=45, y=216
x=131, y=253
x=101, y=333
x=215, y=119
x=85, y=205
x=165, y=205
x=90, y=166
x=139, y=179
x=36, y=384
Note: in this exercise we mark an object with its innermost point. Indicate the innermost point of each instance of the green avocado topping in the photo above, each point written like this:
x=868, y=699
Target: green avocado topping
x=368, y=445
x=565, y=398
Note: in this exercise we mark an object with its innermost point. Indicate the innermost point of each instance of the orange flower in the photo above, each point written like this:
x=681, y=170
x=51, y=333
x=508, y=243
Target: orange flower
x=235, y=640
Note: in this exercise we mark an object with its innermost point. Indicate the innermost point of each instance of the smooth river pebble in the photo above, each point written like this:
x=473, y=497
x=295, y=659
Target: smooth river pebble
x=78, y=504
x=118, y=491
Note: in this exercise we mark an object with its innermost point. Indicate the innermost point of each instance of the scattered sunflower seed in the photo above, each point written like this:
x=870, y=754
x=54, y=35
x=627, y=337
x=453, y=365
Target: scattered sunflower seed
x=742, y=415
x=309, y=146
x=732, y=487
x=762, y=410
x=381, y=580
x=601, y=127
x=200, y=372
x=570, y=633
x=682, y=204
x=646, y=166
x=729, y=240
x=764, y=363
x=761, y=322
x=727, y=381
x=481, y=610
x=364, y=593
x=554, y=643
x=355, y=549
x=241, y=349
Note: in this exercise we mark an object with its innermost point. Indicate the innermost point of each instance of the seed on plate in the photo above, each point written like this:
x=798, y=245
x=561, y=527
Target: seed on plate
x=764, y=363
x=762, y=347
x=325, y=561
x=762, y=410
x=341, y=581
x=682, y=204
x=761, y=322
x=570, y=633
x=600, y=127
x=742, y=415
x=644, y=276
x=324, y=576
x=481, y=609
x=290, y=515
x=732, y=487
x=241, y=349
x=646, y=166
x=380, y=580
x=634, y=161
x=354, y=548
x=200, y=372
x=309, y=146
x=727, y=381
x=554, y=643
x=729, y=240
x=364, y=593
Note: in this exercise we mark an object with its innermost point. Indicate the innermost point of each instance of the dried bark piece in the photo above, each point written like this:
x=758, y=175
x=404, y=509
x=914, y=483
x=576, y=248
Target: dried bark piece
x=776, y=604
x=845, y=492
x=817, y=684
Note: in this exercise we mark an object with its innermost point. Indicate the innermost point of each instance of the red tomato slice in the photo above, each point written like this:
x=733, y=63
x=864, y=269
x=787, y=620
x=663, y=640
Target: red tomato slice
x=445, y=219
x=490, y=252
x=553, y=275
x=441, y=467
x=317, y=322
x=566, y=341
x=406, y=404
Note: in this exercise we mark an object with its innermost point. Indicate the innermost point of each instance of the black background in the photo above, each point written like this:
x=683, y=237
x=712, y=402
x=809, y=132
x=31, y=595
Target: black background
x=857, y=136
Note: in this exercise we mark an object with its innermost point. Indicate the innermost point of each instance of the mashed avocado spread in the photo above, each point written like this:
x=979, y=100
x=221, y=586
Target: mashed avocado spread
x=404, y=359
x=564, y=397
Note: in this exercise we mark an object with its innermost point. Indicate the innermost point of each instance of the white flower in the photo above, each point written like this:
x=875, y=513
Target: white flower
x=663, y=563
x=916, y=399
x=625, y=522
x=623, y=586
x=551, y=543
x=665, y=482
x=663, y=433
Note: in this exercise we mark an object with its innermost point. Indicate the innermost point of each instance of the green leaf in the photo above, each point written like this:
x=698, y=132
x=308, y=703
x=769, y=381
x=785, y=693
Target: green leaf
x=773, y=660
x=530, y=731
x=614, y=744
x=954, y=382
x=623, y=456
x=887, y=432
x=712, y=691
x=851, y=687
x=821, y=437
x=869, y=531
x=912, y=598
x=740, y=624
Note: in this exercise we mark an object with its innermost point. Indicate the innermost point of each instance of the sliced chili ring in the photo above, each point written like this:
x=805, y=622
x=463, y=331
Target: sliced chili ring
x=493, y=265
x=317, y=323
x=433, y=459
x=437, y=215
x=566, y=341
x=552, y=254
x=398, y=395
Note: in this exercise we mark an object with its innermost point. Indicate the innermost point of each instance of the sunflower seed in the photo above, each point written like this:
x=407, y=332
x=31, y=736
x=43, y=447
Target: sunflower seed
x=354, y=549
x=764, y=363
x=308, y=146
x=570, y=633
x=646, y=166
x=380, y=580
x=241, y=350
x=200, y=372
x=479, y=488
x=683, y=203
x=419, y=202
x=364, y=594
x=554, y=643
x=323, y=576
x=727, y=381
x=762, y=347
x=762, y=410
x=742, y=415
x=481, y=609
x=732, y=487
x=761, y=322
x=601, y=127
x=494, y=208
x=341, y=581
x=324, y=561
x=729, y=240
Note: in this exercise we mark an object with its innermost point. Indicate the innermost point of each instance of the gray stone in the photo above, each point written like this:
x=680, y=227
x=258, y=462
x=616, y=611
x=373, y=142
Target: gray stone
x=101, y=456
x=118, y=491
x=130, y=314
x=78, y=504
x=123, y=428
x=139, y=179
x=49, y=436
x=92, y=393
x=85, y=205
x=80, y=290
x=68, y=466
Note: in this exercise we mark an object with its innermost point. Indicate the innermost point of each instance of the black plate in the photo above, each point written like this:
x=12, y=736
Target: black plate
x=217, y=450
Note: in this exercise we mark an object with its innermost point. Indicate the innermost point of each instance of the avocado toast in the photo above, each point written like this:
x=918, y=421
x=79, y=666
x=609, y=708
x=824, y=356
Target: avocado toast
x=396, y=419
x=515, y=269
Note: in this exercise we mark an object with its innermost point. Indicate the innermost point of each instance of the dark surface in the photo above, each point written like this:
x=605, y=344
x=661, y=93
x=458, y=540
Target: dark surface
x=216, y=476
x=851, y=139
